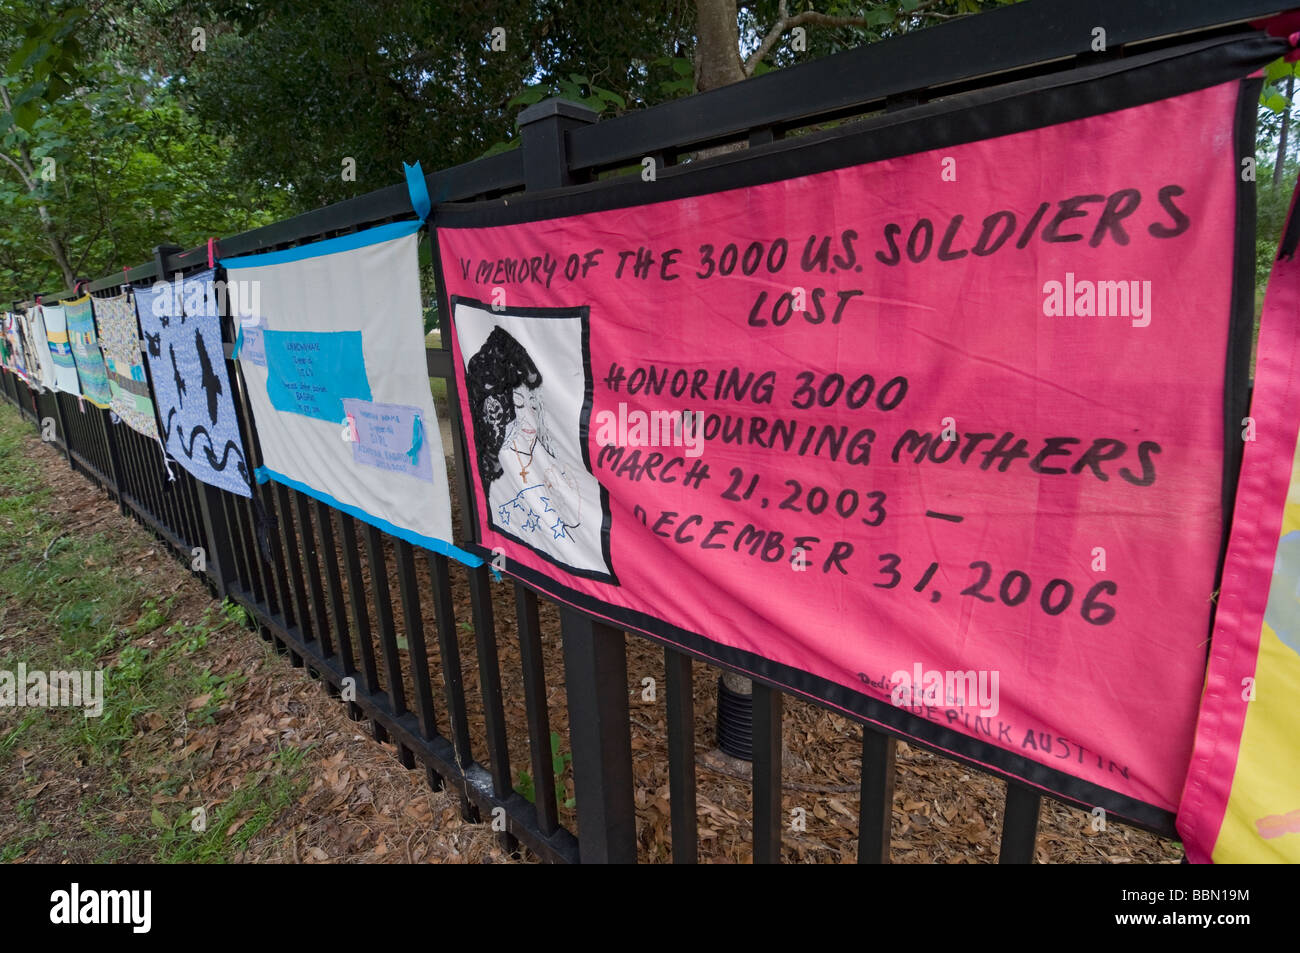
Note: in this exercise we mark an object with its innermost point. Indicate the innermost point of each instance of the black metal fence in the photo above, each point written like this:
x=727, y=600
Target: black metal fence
x=387, y=627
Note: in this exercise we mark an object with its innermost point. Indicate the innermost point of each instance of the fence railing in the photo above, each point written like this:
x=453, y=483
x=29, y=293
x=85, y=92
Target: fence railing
x=394, y=631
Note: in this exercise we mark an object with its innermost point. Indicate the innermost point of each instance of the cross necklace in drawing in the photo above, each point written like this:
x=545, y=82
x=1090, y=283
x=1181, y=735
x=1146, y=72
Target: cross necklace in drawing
x=523, y=469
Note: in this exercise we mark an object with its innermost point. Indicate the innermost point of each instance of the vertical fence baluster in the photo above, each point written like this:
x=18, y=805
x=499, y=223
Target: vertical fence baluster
x=387, y=631
x=489, y=683
x=63, y=427
x=409, y=591
x=876, y=811
x=334, y=592
x=314, y=589
x=186, y=487
x=361, y=617
x=452, y=676
x=114, y=471
x=252, y=554
x=539, y=719
x=680, y=703
x=768, y=705
x=293, y=569
x=489, y=669
x=1019, y=824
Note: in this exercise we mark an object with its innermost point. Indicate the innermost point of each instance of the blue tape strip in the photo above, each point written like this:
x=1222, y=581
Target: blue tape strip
x=331, y=246
x=419, y=190
x=427, y=542
x=239, y=342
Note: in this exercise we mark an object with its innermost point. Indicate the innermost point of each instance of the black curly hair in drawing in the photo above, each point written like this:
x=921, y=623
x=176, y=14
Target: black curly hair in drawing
x=500, y=366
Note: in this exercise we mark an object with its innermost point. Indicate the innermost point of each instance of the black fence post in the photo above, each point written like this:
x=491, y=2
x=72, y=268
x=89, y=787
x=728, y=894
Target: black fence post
x=595, y=657
x=680, y=683
x=595, y=677
x=542, y=129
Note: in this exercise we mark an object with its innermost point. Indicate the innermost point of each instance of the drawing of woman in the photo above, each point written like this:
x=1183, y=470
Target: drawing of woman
x=531, y=493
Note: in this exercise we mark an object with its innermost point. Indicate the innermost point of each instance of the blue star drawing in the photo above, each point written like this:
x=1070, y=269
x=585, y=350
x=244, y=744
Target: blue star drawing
x=523, y=506
x=558, y=528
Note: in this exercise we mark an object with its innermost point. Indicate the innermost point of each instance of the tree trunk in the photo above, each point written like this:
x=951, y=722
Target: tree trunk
x=27, y=173
x=1281, y=142
x=52, y=236
x=717, y=45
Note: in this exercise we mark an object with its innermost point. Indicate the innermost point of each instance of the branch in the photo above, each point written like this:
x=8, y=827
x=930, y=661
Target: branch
x=785, y=23
x=28, y=183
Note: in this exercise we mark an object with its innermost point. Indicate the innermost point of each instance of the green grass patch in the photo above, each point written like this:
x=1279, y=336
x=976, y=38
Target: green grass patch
x=71, y=600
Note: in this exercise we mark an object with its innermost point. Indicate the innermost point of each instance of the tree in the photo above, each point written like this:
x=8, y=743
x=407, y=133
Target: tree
x=100, y=160
x=395, y=80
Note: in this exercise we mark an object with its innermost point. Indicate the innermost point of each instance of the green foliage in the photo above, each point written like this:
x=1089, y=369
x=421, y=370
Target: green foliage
x=560, y=761
x=235, y=613
x=1273, y=94
x=102, y=158
x=44, y=67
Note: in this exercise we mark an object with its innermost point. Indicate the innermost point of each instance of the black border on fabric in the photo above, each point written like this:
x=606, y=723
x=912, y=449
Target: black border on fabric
x=1241, y=322
x=583, y=314
x=1014, y=107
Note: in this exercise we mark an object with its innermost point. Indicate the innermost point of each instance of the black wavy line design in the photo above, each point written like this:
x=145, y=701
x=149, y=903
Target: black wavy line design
x=217, y=465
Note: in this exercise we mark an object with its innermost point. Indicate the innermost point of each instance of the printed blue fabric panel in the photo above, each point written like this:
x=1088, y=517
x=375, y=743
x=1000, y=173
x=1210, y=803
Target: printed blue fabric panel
x=182, y=339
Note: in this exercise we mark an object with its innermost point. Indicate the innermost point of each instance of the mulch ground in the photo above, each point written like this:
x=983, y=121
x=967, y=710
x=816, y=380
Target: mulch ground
x=362, y=806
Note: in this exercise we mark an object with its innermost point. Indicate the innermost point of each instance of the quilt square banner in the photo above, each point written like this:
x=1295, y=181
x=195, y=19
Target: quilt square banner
x=334, y=359
x=930, y=418
x=56, y=333
x=42, y=359
x=89, y=359
x=16, y=354
x=187, y=364
x=119, y=339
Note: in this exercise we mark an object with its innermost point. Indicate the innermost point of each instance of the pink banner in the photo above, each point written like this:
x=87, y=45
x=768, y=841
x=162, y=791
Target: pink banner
x=941, y=434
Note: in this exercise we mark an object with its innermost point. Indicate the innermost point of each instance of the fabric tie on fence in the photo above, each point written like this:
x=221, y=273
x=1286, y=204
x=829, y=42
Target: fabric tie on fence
x=1241, y=800
x=418, y=189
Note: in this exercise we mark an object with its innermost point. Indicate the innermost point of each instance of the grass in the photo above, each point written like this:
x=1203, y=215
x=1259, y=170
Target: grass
x=70, y=600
